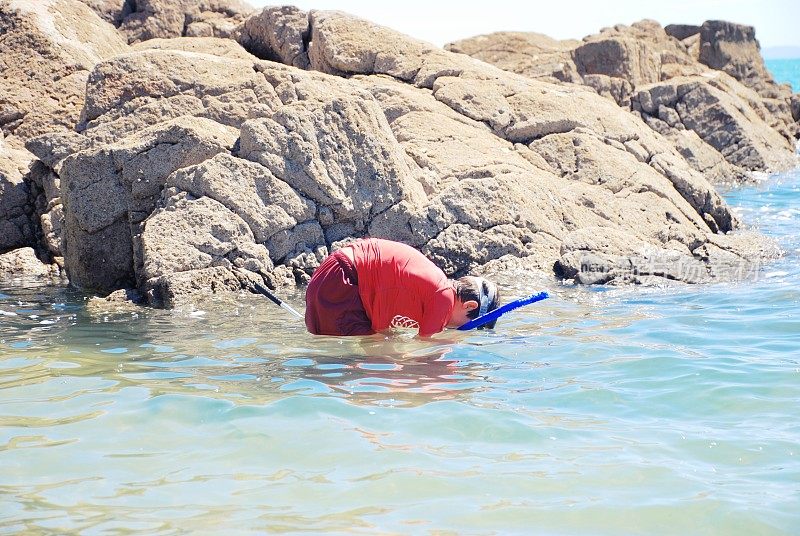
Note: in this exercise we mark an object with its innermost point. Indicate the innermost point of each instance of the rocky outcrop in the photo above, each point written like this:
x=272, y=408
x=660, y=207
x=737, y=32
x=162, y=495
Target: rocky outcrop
x=612, y=62
x=47, y=49
x=216, y=46
x=17, y=218
x=140, y=20
x=733, y=48
x=463, y=224
x=529, y=54
x=109, y=191
x=22, y=263
x=743, y=121
x=640, y=54
x=277, y=34
x=199, y=165
x=602, y=256
x=682, y=32
x=703, y=106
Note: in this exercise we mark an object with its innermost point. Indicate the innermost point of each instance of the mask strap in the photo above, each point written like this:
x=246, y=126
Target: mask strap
x=486, y=297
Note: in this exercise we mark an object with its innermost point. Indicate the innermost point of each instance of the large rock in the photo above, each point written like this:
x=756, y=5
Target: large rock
x=22, y=263
x=110, y=190
x=134, y=90
x=150, y=19
x=290, y=200
x=526, y=53
x=628, y=64
x=186, y=288
x=737, y=131
x=640, y=54
x=455, y=155
x=111, y=186
x=474, y=176
x=188, y=233
x=47, y=50
x=606, y=256
x=271, y=209
x=733, y=48
x=611, y=62
x=17, y=220
x=598, y=255
x=700, y=155
x=163, y=80
x=338, y=150
x=277, y=34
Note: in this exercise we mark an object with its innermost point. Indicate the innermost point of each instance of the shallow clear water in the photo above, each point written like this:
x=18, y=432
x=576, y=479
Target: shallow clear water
x=602, y=411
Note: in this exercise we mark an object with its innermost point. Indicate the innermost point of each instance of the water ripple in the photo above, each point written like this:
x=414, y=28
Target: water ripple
x=653, y=410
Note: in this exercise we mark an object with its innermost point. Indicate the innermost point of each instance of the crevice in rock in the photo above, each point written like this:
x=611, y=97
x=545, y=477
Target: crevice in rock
x=305, y=39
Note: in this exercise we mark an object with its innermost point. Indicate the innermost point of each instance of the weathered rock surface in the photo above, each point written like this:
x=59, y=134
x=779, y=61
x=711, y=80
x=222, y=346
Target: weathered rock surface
x=199, y=164
x=216, y=46
x=738, y=112
x=277, y=217
x=701, y=104
x=640, y=54
x=47, y=49
x=139, y=89
x=192, y=234
x=122, y=301
x=530, y=54
x=681, y=32
x=22, y=263
x=185, y=288
x=336, y=148
x=17, y=223
x=141, y=20
x=277, y=34
x=733, y=48
x=110, y=190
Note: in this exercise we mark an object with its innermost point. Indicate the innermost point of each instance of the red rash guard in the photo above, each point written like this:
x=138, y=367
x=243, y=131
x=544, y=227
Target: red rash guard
x=400, y=287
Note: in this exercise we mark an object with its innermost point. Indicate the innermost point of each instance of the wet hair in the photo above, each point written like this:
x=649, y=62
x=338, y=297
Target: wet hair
x=480, y=290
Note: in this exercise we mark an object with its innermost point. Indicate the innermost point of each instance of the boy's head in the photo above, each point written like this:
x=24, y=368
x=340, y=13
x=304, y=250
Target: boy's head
x=475, y=296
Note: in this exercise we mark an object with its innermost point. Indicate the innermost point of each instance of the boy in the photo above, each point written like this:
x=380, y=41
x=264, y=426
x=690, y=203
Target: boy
x=375, y=284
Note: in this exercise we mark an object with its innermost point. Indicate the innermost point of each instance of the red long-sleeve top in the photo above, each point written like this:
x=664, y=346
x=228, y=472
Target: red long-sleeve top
x=400, y=287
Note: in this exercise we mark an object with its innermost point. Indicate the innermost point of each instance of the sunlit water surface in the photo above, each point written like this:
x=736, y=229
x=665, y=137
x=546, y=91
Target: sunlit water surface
x=601, y=410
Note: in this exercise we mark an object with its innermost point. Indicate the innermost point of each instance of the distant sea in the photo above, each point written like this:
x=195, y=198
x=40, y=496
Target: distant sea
x=786, y=71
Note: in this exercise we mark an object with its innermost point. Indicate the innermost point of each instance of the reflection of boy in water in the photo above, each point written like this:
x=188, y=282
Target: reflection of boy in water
x=394, y=378
x=375, y=284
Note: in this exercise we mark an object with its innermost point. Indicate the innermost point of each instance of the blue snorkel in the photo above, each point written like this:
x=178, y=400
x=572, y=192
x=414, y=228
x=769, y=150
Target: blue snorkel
x=485, y=318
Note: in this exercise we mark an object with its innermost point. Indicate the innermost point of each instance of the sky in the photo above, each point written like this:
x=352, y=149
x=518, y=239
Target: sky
x=776, y=21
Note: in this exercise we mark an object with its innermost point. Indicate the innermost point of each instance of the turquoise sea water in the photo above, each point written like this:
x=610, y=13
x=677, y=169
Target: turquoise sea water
x=599, y=411
x=786, y=71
